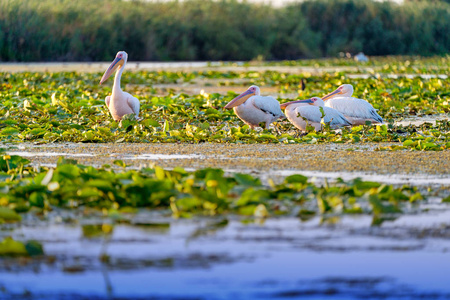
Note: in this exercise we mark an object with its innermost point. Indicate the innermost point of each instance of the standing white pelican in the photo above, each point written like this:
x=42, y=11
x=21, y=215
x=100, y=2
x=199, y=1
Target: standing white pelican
x=253, y=109
x=307, y=112
x=120, y=103
x=357, y=111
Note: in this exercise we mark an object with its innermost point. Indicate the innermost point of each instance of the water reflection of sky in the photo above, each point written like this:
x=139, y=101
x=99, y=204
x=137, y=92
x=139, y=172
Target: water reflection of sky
x=341, y=258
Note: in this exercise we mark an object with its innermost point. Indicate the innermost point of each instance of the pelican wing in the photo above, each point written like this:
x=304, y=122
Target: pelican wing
x=268, y=105
x=334, y=117
x=310, y=113
x=134, y=104
x=313, y=114
x=355, y=108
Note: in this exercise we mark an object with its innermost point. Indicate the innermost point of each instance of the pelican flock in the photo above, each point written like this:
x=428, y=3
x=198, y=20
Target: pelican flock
x=357, y=111
x=302, y=113
x=120, y=103
x=337, y=108
x=252, y=108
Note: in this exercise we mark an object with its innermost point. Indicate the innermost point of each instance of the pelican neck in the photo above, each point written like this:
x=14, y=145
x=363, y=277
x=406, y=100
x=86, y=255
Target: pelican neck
x=116, y=86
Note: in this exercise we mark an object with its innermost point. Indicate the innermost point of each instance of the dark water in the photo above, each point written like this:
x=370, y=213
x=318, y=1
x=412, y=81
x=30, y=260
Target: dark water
x=351, y=257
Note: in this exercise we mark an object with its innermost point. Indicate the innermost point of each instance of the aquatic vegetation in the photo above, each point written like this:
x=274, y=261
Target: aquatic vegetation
x=182, y=194
x=69, y=106
x=11, y=247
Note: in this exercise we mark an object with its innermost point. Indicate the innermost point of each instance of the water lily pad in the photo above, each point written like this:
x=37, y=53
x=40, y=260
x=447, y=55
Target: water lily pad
x=34, y=248
x=10, y=247
x=9, y=215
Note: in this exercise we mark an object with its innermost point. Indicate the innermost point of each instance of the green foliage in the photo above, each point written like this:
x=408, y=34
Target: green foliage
x=8, y=215
x=376, y=28
x=69, y=107
x=34, y=248
x=63, y=30
x=11, y=247
x=181, y=193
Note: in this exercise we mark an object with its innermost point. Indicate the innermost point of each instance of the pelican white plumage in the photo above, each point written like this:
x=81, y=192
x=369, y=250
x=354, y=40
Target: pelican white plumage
x=307, y=112
x=356, y=110
x=252, y=108
x=120, y=103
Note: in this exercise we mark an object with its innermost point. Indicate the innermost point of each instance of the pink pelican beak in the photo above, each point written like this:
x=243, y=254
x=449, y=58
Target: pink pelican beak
x=338, y=92
x=284, y=105
x=113, y=67
x=240, y=99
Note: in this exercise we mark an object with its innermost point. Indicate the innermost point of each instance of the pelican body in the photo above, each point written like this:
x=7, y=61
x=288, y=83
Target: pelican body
x=253, y=109
x=307, y=112
x=120, y=103
x=357, y=111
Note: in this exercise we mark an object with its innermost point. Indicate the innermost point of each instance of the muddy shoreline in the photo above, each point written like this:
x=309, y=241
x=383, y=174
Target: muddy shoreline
x=319, y=157
x=267, y=161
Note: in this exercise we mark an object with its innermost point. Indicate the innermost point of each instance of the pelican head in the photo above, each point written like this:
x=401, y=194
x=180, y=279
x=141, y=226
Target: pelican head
x=345, y=90
x=120, y=60
x=251, y=91
x=316, y=101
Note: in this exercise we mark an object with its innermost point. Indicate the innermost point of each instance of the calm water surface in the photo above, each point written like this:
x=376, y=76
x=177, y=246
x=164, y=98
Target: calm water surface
x=163, y=258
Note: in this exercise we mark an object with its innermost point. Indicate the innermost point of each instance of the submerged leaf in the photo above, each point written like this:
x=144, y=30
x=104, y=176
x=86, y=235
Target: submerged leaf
x=9, y=215
x=34, y=248
x=11, y=247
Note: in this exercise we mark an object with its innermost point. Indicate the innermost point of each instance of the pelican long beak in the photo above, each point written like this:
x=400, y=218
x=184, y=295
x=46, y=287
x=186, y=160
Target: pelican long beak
x=113, y=67
x=284, y=105
x=336, y=92
x=240, y=99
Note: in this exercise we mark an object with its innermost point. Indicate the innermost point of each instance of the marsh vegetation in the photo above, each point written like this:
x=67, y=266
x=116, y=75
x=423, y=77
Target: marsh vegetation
x=250, y=201
x=54, y=30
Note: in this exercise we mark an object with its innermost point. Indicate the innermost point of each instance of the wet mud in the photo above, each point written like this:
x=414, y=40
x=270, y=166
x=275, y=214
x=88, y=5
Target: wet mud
x=265, y=160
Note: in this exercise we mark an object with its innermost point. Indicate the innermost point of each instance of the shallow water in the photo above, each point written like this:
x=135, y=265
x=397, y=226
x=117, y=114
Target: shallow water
x=344, y=258
x=146, y=156
x=48, y=154
x=238, y=66
x=171, y=66
x=419, y=120
x=396, y=179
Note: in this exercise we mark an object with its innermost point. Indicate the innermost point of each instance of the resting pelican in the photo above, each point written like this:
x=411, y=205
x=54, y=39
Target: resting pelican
x=357, y=111
x=303, y=112
x=253, y=109
x=120, y=103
